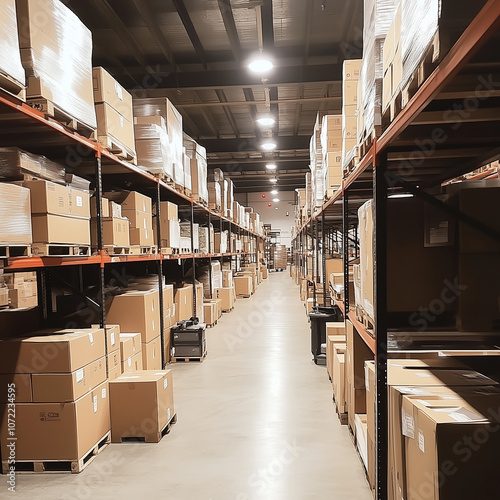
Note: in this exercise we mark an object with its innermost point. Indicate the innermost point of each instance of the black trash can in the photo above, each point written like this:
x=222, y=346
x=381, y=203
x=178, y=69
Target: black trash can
x=320, y=316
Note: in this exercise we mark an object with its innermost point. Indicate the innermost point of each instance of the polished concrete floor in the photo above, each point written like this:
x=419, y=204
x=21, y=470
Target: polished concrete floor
x=255, y=421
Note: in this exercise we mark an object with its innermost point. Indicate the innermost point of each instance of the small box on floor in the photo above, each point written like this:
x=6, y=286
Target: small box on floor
x=227, y=297
x=142, y=405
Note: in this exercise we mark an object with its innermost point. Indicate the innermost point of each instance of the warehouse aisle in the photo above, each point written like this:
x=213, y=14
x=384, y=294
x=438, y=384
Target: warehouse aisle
x=255, y=422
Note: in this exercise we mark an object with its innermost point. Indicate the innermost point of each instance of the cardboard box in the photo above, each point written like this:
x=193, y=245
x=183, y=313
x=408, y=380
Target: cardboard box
x=350, y=94
x=15, y=200
x=210, y=313
x=142, y=237
x=115, y=232
x=137, y=311
x=129, y=349
x=112, y=337
x=59, y=229
x=67, y=387
x=113, y=129
x=139, y=219
x=339, y=377
x=168, y=211
x=131, y=200
x=51, y=198
x=184, y=302
x=362, y=438
x=133, y=363
x=104, y=208
x=151, y=354
x=227, y=278
x=226, y=295
x=59, y=431
x=61, y=352
x=108, y=90
x=114, y=361
x=243, y=286
x=351, y=69
x=142, y=405
x=20, y=382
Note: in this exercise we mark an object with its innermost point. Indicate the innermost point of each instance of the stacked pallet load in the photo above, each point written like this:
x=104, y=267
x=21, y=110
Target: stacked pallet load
x=115, y=227
x=318, y=169
x=70, y=391
x=115, y=121
x=22, y=289
x=350, y=112
x=12, y=75
x=170, y=229
x=331, y=151
x=158, y=129
x=58, y=63
x=198, y=164
x=131, y=352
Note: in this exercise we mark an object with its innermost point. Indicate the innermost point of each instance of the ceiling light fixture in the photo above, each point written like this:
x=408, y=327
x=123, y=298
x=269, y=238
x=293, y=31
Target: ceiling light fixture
x=273, y=181
x=402, y=195
x=261, y=65
x=268, y=146
x=276, y=200
x=271, y=166
x=274, y=191
x=266, y=121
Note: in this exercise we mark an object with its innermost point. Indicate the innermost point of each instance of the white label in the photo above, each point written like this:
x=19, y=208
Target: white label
x=161, y=373
x=422, y=375
x=129, y=376
x=154, y=351
x=460, y=417
x=112, y=338
x=119, y=91
x=79, y=201
x=91, y=338
x=129, y=360
x=415, y=391
x=153, y=323
x=408, y=425
x=439, y=235
x=122, y=122
x=103, y=393
x=79, y=375
x=95, y=404
x=421, y=441
x=168, y=414
x=165, y=383
x=133, y=348
x=424, y=403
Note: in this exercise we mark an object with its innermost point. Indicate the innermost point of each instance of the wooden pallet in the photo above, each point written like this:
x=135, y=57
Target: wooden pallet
x=112, y=250
x=59, y=466
x=227, y=310
x=9, y=85
x=215, y=208
x=50, y=110
x=367, y=141
x=211, y=325
x=198, y=200
x=170, y=251
x=365, y=320
x=184, y=251
x=342, y=416
x=56, y=250
x=243, y=296
x=393, y=110
x=351, y=162
x=140, y=250
x=8, y=251
x=188, y=192
x=117, y=149
x=151, y=438
x=189, y=359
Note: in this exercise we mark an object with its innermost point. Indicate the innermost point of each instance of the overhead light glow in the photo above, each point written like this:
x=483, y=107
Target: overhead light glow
x=274, y=191
x=276, y=200
x=271, y=166
x=261, y=65
x=402, y=195
x=274, y=181
x=268, y=146
x=266, y=121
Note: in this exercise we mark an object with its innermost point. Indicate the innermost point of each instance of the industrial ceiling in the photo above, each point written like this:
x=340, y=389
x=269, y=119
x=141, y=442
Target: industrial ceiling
x=196, y=53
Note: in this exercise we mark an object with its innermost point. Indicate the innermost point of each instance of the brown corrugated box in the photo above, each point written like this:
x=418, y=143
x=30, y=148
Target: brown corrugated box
x=60, y=352
x=134, y=347
x=66, y=387
x=15, y=200
x=22, y=386
x=114, y=361
x=142, y=404
x=151, y=354
x=130, y=200
x=112, y=337
x=184, y=302
x=59, y=431
x=60, y=229
x=226, y=295
x=115, y=232
x=142, y=237
x=243, y=285
x=108, y=90
x=133, y=363
x=104, y=208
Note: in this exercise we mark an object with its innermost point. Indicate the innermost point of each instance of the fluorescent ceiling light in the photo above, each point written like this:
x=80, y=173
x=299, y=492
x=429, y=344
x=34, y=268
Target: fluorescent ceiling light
x=403, y=195
x=274, y=191
x=268, y=146
x=274, y=181
x=261, y=65
x=271, y=166
x=266, y=121
x=276, y=200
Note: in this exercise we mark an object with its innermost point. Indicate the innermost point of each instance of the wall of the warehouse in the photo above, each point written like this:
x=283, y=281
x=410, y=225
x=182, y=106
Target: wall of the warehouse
x=269, y=215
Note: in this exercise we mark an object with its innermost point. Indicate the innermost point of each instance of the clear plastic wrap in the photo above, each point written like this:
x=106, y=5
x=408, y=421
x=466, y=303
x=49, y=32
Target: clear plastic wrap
x=15, y=215
x=56, y=52
x=10, y=58
x=365, y=232
x=214, y=195
x=185, y=228
x=151, y=144
x=198, y=158
x=204, y=233
x=216, y=275
x=187, y=171
x=162, y=107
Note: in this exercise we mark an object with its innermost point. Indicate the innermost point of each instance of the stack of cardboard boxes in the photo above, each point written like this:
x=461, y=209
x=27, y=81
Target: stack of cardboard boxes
x=115, y=227
x=115, y=121
x=331, y=150
x=15, y=229
x=138, y=210
x=169, y=227
x=131, y=352
x=350, y=82
x=197, y=156
x=61, y=396
x=22, y=289
x=169, y=318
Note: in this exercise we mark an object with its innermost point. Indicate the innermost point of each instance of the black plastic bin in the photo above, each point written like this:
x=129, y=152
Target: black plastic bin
x=320, y=316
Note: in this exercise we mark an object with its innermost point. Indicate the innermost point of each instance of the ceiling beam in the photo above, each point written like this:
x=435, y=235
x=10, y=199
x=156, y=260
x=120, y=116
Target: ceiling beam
x=227, y=111
x=236, y=166
x=216, y=163
x=230, y=25
x=249, y=97
x=190, y=30
x=155, y=30
x=300, y=100
x=252, y=144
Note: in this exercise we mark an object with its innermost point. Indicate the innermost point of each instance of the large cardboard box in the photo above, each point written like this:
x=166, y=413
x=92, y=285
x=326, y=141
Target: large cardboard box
x=104, y=207
x=58, y=431
x=339, y=351
x=151, y=354
x=112, y=337
x=113, y=130
x=115, y=232
x=108, y=90
x=184, y=302
x=66, y=387
x=141, y=236
x=15, y=201
x=243, y=286
x=226, y=295
x=114, y=361
x=60, y=230
x=210, y=312
x=142, y=405
x=130, y=344
x=63, y=351
x=131, y=200
x=137, y=311
x=132, y=363
x=21, y=386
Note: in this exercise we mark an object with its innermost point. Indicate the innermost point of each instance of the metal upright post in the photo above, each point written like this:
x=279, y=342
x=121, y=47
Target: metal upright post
x=210, y=250
x=315, y=259
x=323, y=255
x=193, y=260
x=160, y=271
x=100, y=248
x=380, y=279
x=345, y=248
